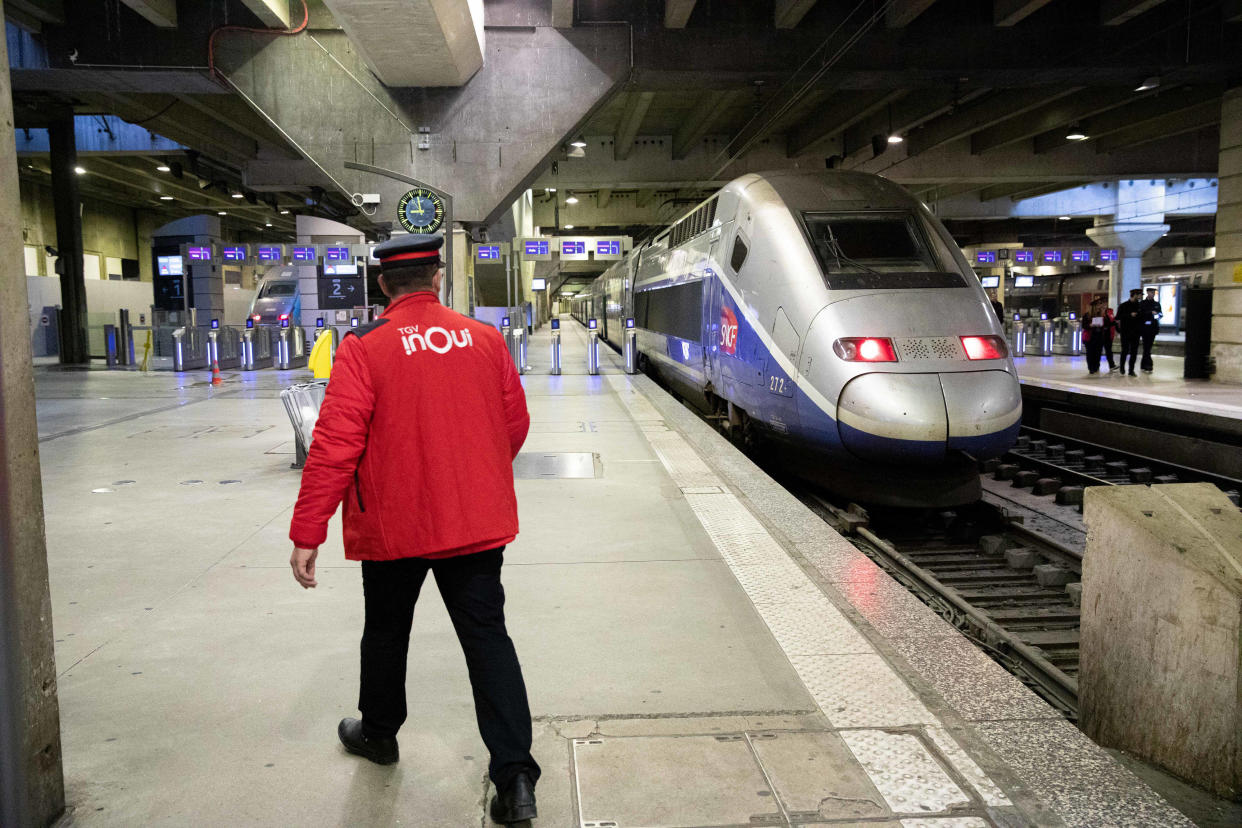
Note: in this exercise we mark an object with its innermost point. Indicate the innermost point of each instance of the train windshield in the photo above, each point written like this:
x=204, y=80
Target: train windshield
x=279, y=289
x=876, y=251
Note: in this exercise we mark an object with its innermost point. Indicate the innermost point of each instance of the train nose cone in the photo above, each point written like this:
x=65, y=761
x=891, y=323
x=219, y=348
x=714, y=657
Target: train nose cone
x=919, y=418
x=894, y=418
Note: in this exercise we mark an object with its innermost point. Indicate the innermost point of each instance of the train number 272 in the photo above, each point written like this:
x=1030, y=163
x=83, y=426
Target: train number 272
x=776, y=384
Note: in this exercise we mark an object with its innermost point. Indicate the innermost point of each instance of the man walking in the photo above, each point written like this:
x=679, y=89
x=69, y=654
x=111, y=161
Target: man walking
x=417, y=434
x=1131, y=329
x=1150, y=313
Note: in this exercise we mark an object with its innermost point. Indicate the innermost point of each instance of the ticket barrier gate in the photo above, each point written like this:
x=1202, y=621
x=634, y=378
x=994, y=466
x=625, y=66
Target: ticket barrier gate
x=631, y=347
x=1019, y=337
x=1046, y=336
x=1075, y=335
x=284, y=359
x=555, y=346
x=593, y=347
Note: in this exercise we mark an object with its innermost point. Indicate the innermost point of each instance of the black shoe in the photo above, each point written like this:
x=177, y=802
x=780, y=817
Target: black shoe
x=382, y=750
x=516, y=803
x=1132, y=373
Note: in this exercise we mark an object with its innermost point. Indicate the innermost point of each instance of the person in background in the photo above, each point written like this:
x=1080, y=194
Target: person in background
x=999, y=310
x=1110, y=328
x=1131, y=329
x=1149, y=313
x=1094, y=335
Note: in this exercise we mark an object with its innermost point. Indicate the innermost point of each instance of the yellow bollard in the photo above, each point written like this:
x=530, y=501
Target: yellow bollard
x=321, y=356
x=146, y=354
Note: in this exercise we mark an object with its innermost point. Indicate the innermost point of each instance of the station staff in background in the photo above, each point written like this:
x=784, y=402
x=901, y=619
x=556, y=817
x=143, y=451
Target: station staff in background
x=1150, y=313
x=417, y=434
x=1131, y=325
x=1097, y=335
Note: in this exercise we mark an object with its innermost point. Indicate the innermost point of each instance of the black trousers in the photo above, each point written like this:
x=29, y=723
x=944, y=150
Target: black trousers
x=1149, y=338
x=1129, y=348
x=1107, y=346
x=470, y=587
x=1094, y=346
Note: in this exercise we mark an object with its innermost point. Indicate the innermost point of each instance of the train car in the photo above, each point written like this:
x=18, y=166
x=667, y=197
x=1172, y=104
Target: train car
x=277, y=298
x=832, y=317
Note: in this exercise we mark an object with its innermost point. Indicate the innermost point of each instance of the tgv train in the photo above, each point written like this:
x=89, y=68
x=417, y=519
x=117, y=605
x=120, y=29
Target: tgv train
x=832, y=317
x=277, y=298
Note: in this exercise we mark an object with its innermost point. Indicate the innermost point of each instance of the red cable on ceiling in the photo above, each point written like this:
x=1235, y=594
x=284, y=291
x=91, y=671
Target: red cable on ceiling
x=211, y=40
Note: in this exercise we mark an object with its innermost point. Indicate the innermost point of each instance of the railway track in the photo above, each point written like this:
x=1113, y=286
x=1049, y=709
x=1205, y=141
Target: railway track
x=1013, y=591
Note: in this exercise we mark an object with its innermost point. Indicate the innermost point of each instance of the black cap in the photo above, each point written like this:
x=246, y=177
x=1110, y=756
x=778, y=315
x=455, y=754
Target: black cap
x=415, y=248
x=1135, y=290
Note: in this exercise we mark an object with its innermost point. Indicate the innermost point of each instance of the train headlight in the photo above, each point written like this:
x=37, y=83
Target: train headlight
x=865, y=349
x=984, y=347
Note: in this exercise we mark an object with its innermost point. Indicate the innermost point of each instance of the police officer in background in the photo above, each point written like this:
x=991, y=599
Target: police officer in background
x=1150, y=312
x=1131, y=324
x=417, y=434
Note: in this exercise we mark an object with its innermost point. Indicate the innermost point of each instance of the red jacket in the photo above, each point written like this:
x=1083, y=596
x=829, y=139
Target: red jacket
x=417, y=434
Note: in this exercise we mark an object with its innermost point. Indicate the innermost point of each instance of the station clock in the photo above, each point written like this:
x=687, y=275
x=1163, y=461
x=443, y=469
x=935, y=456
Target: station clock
x=421, y=211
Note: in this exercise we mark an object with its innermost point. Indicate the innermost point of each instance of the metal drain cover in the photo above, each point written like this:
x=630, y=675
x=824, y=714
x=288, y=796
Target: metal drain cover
x=541, y=465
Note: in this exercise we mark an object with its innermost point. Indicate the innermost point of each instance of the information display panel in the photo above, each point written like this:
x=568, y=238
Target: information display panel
x=305, y=254
x=198, y=253
x=271, y=254
x=990, y=281
x=537, y=250
x=1023, y=281
x=607, y=249
x=1109, y=254
x=170, y=265
x=1024, y=256
x=1051, y=257
x=985, y=257
x=340, y=292
x=337, y=253
x=236, y=253
x=1080, y=256
x=574, y=250
x=487, y=252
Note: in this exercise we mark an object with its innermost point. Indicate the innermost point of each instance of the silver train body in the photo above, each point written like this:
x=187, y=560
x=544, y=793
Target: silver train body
x=832, y=314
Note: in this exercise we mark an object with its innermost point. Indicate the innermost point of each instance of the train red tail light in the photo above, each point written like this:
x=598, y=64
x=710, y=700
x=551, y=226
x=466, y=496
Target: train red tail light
x=283, y=317
x=865, y=349
x=984, y=347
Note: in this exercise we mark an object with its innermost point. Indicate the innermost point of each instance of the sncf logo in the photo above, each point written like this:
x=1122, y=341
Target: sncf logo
x=728, y=330
x=436, y=339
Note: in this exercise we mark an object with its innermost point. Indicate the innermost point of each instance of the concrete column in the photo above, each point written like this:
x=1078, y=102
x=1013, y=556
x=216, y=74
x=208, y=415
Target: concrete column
x=463, y=270
x=1227, y=280
x=32, y=788
x=74, y=344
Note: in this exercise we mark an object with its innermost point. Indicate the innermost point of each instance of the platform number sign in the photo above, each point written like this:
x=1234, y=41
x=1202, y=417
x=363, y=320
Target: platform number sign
x=421, y=211
x=340, y=292
x=573, y=250
x=198, y=254
x=336, y=254
x=1080, y=255
x=1108, y=255
x=270, y=255
x=1024, y=256
x=608, y=249
x=487, y=253
x=234, y=253
x=304, y=254
x=986, y=257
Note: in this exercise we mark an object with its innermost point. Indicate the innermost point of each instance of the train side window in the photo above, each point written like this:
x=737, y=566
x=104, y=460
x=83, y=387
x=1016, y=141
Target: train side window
x=738, y=258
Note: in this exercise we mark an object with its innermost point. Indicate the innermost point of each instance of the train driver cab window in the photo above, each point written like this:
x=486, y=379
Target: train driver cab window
x=877, y=250
x=738, y=257
x=279, y=289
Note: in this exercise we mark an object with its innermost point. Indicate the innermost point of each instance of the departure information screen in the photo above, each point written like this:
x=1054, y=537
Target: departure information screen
x=1080, y=255
x=538, y=247
x=269, y=255
x=336, y=254
x=170, y=265
x=1108, y=255
x=1052, y=257
x=608, y=248
x=304, y=254
x=487, y=253
x=233, y=254
x=198, y=254
x=1024, y=256
x=986, y=257
x=573, y=248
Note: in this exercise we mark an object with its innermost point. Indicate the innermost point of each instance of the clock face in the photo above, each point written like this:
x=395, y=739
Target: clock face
x=421, y=211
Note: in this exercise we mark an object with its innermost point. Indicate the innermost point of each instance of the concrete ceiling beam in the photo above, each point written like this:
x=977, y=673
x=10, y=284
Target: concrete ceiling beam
x=677, y=13
x=913, y=110
x=427, y=43
x=1052, y=116
x=1116, y=12
x=162, y=13
x=164, y=184
x=1176, y=122
x=562, y=14
x=37, y=12
x=603, y=197
x=982, y=114
x=1013, y=12
x=636, y=106
x=643, y=197
x=902, y=12
x=699, y=122
x=1136, y=112
x=789, y=13
x=191, y=129
x=232, y=123
x=943, y=191
x=842, y=112
x=273, y=13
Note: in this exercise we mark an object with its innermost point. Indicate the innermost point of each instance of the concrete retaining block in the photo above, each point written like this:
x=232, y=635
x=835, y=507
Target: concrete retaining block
x=1021, y=558
x=993, y=544
x=1023, y=479
x=1050, y=575
x=1160, y=673
x=1074, y=591
x=1069, y=495
x=1046, y=486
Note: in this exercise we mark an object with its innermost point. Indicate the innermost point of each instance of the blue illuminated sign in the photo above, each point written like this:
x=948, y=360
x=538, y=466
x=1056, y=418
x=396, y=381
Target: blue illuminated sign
x=215, y=324
x=1080, y=255
x=233, y=254
x=249, y=323
x=986, y=257
x=1024, y=256
x=608, y=248
x=594, y=324
x=353, y=323
x=269, y=254
x=1108, y=255
x=304, y=254
x=487, y=252
x=504, y=322
x=573, y=248
x=556, y=324
x=336, y=254
x=319, y=322
x=629, y=322
x=535, y=248
x=1052, y=257
x=198, y=254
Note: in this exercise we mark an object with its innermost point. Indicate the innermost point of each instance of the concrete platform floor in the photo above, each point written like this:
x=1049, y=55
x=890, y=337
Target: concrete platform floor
x=1163, y=387
x=699, y=648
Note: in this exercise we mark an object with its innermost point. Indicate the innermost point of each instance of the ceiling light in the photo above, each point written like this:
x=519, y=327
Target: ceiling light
x=269, y=224
x=1076, y=133
x=1063, y=218
x=1150, y=83
x=79, y=170
x=222, y=213
x=238, y=195
x=571, y=200
x=166, y=198
x=164, y=168
x=569, y=227
x=549, y=189
x=895, y=139
x=578, y=142
x=284, y=212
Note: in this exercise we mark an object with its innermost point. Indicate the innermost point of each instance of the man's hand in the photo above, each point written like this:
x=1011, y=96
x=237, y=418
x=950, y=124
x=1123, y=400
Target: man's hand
x=303, y=563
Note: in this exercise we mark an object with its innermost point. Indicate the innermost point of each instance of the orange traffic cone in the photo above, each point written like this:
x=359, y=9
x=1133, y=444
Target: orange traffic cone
x=216, y=379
